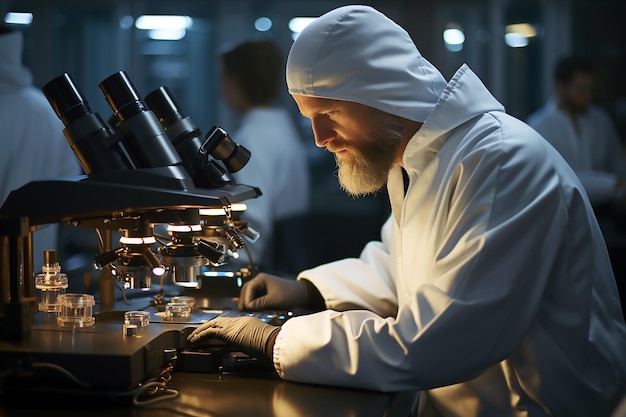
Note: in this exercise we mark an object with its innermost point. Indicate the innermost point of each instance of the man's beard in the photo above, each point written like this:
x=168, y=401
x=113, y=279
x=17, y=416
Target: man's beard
x=573, y=107
x=366, y=167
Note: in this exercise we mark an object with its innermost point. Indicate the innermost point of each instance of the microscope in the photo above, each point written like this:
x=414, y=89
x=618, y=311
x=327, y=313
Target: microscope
x=148, y=168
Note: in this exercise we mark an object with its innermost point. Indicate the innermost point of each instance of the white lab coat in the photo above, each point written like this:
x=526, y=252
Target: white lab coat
x=32, y=141
x=595, y=153
x=491, y=290
x=278, y=167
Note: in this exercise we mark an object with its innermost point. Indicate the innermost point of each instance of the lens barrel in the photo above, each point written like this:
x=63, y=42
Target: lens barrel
x=93, y=143
x=186, y=138
x=141, y=131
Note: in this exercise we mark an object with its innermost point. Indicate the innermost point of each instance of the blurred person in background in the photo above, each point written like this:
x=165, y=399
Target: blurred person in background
x=32, y=140
x=582, y=132
x=252, y=76
x=585, y=135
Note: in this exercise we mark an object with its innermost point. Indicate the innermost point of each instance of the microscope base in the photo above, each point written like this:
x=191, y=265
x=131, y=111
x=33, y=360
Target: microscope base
x=98, y=357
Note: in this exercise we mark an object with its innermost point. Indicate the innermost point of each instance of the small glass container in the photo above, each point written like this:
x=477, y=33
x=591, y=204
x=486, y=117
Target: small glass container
x=185, y=300
x=177, y=311
x=135, y=321
x=51, y=282
x=138, y=318
x=76, y=310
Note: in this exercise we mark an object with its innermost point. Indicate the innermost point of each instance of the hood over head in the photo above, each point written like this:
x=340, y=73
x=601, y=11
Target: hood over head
x=356, y=53
x=13, y=75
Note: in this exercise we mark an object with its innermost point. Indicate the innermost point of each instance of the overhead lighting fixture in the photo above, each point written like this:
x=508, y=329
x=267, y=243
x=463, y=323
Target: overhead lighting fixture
x=297, y=25
x=148, y=22
x=263, y=24
x=517, y=35
x=164, y=27
x=18, y=18
x=167, y=34
x=453, y=38
x=126, y=22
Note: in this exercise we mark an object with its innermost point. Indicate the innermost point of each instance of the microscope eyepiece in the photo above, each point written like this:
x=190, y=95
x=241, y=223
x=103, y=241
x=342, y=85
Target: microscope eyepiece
x=186, y=138
x=142, y=134
x=220, y=145
x=164, y=106
x=150, y=134
x=65, y=98
x=121, y=95
x=96, y=147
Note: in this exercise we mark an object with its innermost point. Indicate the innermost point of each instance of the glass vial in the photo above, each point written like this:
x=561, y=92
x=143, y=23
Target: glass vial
x=76, y=310
x=51, y=282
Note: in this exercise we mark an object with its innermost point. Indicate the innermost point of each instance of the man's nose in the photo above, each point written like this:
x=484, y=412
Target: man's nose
x=323, y=132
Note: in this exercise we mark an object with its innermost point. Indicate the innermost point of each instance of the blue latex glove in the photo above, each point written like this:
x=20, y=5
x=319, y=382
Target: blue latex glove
x=249, y=334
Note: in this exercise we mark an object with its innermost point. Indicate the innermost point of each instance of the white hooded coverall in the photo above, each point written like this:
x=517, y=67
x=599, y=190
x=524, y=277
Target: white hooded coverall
x=32, y=142
x=491, y=289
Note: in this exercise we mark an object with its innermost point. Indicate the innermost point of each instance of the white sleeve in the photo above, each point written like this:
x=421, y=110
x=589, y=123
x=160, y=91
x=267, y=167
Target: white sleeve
x=341, y=282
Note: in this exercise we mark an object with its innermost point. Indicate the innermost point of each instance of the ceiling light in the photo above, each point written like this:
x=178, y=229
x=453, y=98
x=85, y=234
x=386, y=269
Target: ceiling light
x=18, y=18
x=517, y=35
x=161, y=22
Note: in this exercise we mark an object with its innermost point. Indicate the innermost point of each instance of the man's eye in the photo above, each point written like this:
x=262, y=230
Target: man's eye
x=328, y=113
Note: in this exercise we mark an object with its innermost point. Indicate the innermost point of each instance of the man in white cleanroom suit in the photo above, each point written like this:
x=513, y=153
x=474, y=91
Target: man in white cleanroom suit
x=490, y=291
x=32, y=141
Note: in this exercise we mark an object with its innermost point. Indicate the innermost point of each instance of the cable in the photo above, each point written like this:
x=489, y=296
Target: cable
x=121, y=288
x=159, y=387
x=45, y=365
x=100, y=240
x=158, y=299
x=61, y=370
x=155, y=386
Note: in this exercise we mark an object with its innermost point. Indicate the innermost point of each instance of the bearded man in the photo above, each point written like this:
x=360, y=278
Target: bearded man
x=490, y=291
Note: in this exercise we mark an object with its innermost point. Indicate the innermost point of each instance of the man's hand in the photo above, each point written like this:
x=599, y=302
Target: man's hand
x=249, y=334
x=266, y=291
